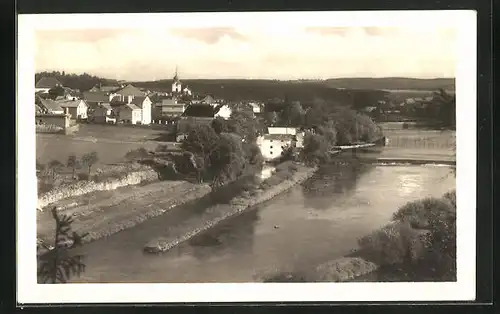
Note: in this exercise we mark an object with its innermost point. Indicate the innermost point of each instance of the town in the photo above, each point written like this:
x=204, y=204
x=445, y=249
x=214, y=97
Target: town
x=124, y=157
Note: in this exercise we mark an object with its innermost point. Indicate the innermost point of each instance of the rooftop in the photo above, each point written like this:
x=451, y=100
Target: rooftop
x=47, y=82
x=95, y=97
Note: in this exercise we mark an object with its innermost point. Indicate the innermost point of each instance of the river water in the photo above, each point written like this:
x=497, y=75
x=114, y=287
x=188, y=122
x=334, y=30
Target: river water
x=316, y=221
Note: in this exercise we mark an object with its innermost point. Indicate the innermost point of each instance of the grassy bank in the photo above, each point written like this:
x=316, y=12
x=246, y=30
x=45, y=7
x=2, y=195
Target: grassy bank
x=287, y=175
x=104, y=213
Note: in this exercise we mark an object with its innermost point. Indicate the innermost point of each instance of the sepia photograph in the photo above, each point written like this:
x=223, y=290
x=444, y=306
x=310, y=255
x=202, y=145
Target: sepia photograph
x=321, y=156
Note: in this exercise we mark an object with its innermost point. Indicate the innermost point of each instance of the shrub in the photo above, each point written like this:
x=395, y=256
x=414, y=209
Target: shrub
x=417, y=213
x=392, y=244
x=161, y=148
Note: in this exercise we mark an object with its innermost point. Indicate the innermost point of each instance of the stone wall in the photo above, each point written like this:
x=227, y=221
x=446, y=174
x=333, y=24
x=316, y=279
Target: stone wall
x=84, y=187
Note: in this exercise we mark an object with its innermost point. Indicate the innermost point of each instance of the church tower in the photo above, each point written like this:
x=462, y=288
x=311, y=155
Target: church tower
x=176, y=84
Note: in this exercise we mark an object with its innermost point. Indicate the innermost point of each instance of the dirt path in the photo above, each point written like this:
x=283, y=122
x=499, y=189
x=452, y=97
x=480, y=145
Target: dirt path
x=106, y=212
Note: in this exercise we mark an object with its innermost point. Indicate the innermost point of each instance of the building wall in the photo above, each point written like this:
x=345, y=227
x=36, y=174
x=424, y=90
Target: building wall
x=59, y=120
x=272, y=148
x=281, y=130
x=146, y=112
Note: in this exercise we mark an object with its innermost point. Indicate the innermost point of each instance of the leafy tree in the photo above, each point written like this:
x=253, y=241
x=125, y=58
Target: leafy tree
x=227, y=161
x=58, y=265
x=271, y=118
x=220, y=125
x=316, y=148
x=244, y=124
x=53, y=166
x=447, y=108
x=137, y=154
x=73, y=163
x=89, y=160
x=56, y=91
x=293, y=115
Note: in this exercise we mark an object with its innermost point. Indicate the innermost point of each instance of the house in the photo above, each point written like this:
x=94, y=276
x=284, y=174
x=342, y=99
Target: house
x=104, y=89
x=50, y=106
x=76, y=108
x=256, y=108
x=209, y=100
x=46, y=83
x=272, y=145
x=128, y=93
x=144, y=103
x=104, y=114
x=129, y=113
x=170, y=108
x=95, y=99
x=223, y=111
x=282, y=131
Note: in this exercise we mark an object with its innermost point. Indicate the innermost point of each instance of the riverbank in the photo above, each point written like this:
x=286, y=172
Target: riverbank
x=287, y=175
x=403, y=250
x=102, y=213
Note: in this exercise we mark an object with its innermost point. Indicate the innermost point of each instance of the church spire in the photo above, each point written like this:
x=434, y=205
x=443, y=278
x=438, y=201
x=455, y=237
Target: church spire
x=176, y=77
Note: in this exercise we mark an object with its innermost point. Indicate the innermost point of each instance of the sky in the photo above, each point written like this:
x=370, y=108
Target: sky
x=283, y=53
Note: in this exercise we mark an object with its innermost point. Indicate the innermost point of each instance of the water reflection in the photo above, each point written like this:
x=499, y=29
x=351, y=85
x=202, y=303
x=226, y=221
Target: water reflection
x=235, y=232
x=338, y=178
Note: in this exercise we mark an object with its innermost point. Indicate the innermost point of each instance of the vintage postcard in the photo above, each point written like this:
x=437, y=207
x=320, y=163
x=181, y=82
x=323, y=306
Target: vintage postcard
x=273, y=156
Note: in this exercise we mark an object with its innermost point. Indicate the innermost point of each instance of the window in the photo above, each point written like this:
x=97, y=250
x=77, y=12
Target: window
x=270, y=147
x=271, y=152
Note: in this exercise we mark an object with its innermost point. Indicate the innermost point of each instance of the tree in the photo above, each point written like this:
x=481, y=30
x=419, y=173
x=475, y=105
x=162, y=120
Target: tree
x=271, y=118
x=200, y=142
x=137, y=154
x=447, y=108
x=56, y=91
x=244, y=124
x=220, y=125
x=293, y=115
x=53, y=166
x=73, y=163
x=227, y=161
x=57, y=265
x=90, y=159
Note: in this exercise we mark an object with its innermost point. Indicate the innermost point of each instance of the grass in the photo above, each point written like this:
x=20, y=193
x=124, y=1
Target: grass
x=110, y=142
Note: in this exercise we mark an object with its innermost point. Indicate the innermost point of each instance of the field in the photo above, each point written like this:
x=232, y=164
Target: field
x=110, y=142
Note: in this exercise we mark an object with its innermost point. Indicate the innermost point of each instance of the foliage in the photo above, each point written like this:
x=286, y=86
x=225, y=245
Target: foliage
x=90, y=159
x=73, y=163
x=227, y=161
x=293, y=115
x=421, y=239
x=53, y=166
x=137, y=154
x=315, y=148
x=244, y=124
x=220, y=125
x=253, y=154
x=82, y=82
x=417, y=213
x=447, y=107
x=55, y=92
x=58, y=265
x=201, y=140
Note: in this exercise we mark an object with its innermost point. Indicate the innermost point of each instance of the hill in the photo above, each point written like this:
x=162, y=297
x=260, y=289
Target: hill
x=263, y=90
x=392, y=83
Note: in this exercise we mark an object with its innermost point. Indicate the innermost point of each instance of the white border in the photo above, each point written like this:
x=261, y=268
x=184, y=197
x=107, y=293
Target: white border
x=464, y=289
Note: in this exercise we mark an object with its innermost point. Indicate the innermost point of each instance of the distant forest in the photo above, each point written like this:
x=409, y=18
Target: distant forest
x=82, y=82
x=354, y=92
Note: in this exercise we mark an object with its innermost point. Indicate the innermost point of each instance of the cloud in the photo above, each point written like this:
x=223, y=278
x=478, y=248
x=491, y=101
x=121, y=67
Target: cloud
x=83, y=35
x=209, y=35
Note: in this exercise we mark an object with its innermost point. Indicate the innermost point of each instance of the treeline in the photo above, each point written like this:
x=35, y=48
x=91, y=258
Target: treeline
x=263, y=90
x=392, y=83
x=82, y=82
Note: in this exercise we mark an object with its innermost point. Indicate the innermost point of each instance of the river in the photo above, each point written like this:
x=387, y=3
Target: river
x=318, y=220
